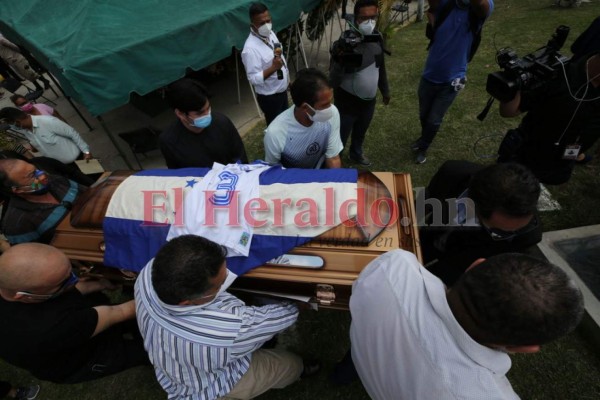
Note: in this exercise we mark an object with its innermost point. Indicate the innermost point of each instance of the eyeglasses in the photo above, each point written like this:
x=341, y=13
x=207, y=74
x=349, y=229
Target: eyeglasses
x=499, y=234
x=35, y=177
x=71, y=280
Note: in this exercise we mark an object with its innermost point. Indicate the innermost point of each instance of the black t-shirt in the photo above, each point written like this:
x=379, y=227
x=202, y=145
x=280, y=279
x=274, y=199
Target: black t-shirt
x=219, y=142
x=51, y=339
x=550, y=110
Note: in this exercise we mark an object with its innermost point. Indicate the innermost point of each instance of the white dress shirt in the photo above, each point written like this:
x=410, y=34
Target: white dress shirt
x=258, y=56
x=55, y=139
x=406, y=343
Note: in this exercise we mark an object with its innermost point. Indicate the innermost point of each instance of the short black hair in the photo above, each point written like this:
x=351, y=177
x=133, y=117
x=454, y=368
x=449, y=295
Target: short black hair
x=256, y=8
x=17, y=96
x=11, y=114
x=183, y=267
x=309, y=82
x=509, y=188
x=364, y=3
x=186, y=95
x=515, y=299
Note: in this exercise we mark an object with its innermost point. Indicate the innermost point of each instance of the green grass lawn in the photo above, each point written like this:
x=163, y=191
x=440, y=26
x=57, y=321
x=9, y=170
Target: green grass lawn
x=566, y=369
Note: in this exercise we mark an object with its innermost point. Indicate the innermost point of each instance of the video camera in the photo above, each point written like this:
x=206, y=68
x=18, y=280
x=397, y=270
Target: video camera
x=344, y=51
x=529, y=72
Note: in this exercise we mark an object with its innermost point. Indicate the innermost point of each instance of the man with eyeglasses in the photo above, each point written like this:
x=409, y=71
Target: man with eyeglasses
x=58, y=327
x=199, y=137
x=210, y=338
x=356, y=72
x=37, y=201
x=477, y=212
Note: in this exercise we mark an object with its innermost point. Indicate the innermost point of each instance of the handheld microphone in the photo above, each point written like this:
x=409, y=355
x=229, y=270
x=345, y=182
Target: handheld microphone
x=277, y=50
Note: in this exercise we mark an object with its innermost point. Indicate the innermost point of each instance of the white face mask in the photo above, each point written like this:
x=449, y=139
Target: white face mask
x=265, y=29
x=228, y=281
x=367, y=27
x=321, y=115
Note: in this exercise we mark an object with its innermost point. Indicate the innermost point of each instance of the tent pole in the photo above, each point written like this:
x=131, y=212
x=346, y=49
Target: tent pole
x=301, y=45
x=237, y=74
x=70, y=102
x=114, y=142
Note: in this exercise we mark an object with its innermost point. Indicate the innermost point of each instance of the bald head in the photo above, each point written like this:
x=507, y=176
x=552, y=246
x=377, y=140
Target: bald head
x=33, y=267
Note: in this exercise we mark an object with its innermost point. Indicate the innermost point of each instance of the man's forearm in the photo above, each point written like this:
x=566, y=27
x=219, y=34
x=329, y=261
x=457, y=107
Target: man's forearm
x=511, y=108
x=333, y=162
x=112, y=315
x=481, y=8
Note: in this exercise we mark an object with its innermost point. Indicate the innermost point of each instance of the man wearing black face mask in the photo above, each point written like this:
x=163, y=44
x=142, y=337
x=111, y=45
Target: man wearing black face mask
x=37, y=202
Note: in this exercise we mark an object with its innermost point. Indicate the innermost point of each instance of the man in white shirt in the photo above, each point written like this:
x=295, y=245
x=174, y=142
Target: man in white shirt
x=306, y=135
x=265, y=65
x=52, y=138
x=413, y=338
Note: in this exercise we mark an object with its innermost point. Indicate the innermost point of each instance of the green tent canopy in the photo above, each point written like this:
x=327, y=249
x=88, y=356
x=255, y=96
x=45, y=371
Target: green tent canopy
x=103, y=50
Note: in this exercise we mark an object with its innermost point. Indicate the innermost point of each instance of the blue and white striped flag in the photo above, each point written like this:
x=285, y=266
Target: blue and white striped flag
x=295, y=206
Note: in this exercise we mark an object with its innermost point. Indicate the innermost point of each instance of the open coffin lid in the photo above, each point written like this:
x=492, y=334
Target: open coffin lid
x=387, y=217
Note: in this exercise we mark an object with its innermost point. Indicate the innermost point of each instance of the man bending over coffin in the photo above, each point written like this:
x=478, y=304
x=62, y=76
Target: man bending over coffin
x=413, y=338
x=495, y=212
x=58, y=327
x=205, y=343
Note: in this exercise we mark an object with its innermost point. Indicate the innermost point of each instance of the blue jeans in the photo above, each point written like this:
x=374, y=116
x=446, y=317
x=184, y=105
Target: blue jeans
x=434, y=101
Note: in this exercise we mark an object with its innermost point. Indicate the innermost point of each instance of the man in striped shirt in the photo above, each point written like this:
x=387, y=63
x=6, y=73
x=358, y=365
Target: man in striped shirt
x=205, y=343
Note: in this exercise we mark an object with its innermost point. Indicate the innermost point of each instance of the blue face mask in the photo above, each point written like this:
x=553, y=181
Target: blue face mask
x=203, y=121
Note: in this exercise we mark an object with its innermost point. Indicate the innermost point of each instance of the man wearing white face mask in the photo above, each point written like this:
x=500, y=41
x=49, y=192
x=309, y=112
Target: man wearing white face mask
x=355, y=73
x=265, y=65
x=210, y=338
x=306, y=135
x=199, y=137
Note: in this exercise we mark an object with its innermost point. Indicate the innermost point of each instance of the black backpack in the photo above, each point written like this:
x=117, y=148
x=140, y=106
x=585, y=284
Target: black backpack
x=475, y=24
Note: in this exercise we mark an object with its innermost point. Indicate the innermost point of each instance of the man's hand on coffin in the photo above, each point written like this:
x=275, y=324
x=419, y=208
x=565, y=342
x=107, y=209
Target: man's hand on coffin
x=88, y=285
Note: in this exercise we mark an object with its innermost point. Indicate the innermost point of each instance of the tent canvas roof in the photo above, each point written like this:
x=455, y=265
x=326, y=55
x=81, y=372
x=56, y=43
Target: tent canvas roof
x=101, y=51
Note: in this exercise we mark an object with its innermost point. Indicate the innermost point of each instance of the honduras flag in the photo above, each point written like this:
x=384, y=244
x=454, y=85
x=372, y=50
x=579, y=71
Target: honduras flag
x=292, y=207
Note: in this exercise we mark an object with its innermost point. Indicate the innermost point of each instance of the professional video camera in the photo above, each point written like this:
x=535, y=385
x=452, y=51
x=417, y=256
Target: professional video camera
x=529, y=72
x=344, y=51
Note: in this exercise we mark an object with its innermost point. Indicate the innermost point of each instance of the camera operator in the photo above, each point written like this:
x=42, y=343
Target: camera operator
x=562, y=121
x=356, y=71
x=455, y=27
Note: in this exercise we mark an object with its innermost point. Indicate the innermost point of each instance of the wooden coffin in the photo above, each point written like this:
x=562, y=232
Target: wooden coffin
x=345, y=249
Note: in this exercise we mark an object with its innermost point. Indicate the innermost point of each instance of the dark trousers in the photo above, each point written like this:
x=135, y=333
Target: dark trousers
x=355, y=117
x=120, y=347
x=4, y=389
x=434, y=101
x=272, y=105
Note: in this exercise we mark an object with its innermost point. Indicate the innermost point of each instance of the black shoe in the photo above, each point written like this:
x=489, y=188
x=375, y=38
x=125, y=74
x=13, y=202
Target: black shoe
x=415, y=146
x=27, y=392
x=421, y=157
x=311, y=367
x=362, y=160
x=46, y=82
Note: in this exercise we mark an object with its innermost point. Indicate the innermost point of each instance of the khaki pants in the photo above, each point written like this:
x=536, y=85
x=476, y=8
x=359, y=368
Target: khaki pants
x=269, y=369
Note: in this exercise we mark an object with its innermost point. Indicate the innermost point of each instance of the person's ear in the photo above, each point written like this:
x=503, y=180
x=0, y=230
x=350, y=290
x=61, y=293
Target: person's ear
x=307, y=109
x=475, y=263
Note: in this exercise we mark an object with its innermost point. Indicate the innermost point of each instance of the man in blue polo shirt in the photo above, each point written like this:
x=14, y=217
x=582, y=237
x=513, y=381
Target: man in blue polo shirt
x=454, y=23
